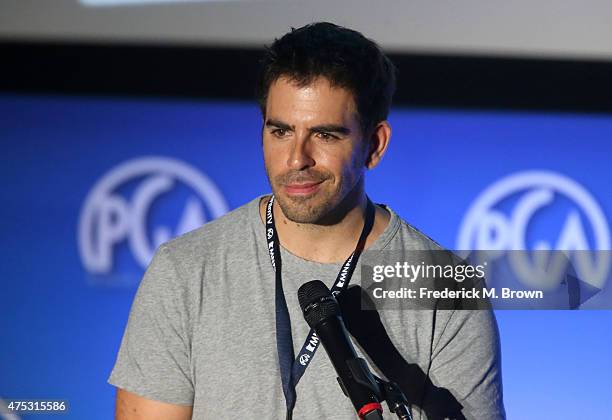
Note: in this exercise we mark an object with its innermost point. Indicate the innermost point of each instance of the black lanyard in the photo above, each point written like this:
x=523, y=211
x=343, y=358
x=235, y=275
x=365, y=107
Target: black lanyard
x=292, y=368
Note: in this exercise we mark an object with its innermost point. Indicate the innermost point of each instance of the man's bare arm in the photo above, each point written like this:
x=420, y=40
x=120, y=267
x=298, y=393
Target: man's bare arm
x=130, y=406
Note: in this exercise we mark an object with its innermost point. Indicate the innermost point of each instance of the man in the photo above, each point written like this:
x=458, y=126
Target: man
x=203, y=338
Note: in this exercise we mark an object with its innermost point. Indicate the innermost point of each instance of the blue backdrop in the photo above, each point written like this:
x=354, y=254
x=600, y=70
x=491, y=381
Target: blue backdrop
x=91, y=185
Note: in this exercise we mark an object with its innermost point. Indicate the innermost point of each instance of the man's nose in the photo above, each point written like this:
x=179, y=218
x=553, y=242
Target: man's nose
x=301, y=155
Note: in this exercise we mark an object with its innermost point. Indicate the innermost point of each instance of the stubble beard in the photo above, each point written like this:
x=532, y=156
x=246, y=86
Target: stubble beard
x=319, y=208
x=307, y=210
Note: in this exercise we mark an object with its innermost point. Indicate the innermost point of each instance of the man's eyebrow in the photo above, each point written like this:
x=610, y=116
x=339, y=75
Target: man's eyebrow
x=322, y=128
x=278, y=124
x=331, y=128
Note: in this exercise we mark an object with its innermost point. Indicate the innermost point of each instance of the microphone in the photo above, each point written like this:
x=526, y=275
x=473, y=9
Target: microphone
x=322, y=313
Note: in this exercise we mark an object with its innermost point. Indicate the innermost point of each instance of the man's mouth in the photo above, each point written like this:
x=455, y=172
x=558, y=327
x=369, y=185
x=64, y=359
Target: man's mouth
x=302, y=188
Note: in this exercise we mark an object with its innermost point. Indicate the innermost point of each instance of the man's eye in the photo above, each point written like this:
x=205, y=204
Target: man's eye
x=279, y=132
x=327, y=136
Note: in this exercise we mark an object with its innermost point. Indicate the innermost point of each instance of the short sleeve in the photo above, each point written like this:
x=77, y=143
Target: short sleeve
x=466, y=369
x=154, y=357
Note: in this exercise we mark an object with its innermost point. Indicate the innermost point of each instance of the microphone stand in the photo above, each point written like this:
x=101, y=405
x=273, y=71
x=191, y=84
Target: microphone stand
x=396, y=400
x=383, y=390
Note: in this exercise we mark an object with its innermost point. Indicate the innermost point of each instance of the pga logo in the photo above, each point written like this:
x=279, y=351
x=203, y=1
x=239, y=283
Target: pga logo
x=485, y=227
x=108, y=217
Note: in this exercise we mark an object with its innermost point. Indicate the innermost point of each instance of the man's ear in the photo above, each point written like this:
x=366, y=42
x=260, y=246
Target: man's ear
x=378, y=141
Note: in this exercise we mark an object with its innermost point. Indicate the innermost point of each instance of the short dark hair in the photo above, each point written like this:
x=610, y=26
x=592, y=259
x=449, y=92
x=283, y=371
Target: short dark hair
x=343, y=56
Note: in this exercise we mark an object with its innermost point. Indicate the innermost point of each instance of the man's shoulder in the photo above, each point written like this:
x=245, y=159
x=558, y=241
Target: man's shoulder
x=226, y=230
x=408, y=236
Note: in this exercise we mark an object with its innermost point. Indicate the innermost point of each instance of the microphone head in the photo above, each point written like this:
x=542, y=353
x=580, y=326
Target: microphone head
x=317, y=302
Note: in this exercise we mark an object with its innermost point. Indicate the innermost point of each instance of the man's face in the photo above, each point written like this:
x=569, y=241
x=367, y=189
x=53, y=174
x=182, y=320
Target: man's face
x=314, y=152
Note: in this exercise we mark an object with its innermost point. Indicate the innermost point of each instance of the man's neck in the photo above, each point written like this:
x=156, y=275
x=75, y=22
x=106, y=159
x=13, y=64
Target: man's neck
x=326, y=243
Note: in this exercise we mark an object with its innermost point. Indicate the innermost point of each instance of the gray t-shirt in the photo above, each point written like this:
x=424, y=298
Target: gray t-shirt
x=201, y=332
